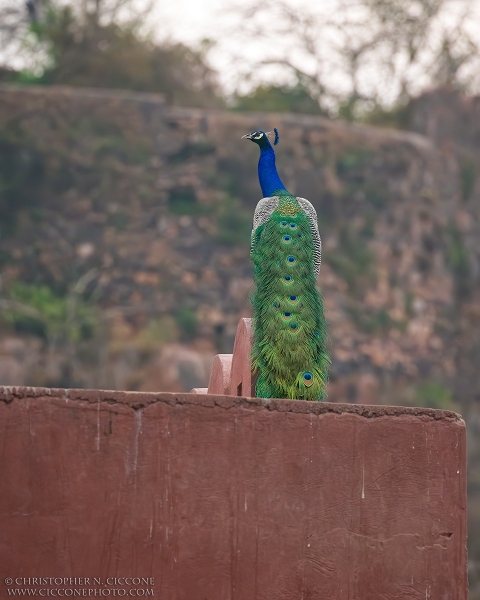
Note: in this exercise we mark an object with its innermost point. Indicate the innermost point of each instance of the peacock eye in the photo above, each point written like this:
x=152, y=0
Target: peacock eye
x=257, y=136
x=308, y=379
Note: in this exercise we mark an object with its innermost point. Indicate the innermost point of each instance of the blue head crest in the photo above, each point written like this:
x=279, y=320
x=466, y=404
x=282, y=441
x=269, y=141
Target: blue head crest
x=273, y=136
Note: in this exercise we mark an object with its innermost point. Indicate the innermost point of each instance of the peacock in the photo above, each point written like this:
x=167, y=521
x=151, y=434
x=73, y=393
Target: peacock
x=289, y=350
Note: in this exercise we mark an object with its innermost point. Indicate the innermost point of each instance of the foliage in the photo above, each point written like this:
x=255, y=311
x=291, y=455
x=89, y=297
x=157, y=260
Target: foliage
x=186, y=319
x=354, y=159
x=182, y=200
x=432, y=394
x=89, y=156
x=233, y=222
x=397, y=117
x=358, y=169
x=352, y=260
x=409, y=298
x=275, y=98
x=38, y=310
x=80, y=45
x=119, y=221
x=158, y=331
x=192, y=150
x=373, y=322
x=456, y=253
x=368, y=229
x=22, y=171
x=468, y=178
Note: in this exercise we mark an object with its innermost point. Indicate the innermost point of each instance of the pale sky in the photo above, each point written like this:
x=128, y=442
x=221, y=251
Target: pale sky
x=191, y=19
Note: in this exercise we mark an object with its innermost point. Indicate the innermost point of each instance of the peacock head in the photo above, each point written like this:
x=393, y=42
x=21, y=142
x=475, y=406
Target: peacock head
x=262, y=138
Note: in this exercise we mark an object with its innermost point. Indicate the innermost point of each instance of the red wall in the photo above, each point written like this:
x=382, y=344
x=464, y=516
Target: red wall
x=222, y=498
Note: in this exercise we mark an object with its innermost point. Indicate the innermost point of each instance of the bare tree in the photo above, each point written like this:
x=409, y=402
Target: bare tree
x=365, y=53
x=13, y=22
x=18, y=17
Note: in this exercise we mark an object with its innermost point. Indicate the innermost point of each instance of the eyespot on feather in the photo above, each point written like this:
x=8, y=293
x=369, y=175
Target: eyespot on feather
x=308, y=379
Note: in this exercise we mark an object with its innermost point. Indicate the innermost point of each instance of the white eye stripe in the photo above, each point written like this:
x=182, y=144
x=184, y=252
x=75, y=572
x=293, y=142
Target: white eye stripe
x=258, y=136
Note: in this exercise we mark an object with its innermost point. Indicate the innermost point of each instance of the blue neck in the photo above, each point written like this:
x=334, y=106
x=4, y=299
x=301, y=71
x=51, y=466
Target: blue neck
x=270, y=182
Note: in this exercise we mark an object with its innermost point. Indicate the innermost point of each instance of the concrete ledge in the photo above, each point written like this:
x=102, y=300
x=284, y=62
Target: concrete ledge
x=231, y=374
x=220, y=375
x=223, y=497
x=242, y=382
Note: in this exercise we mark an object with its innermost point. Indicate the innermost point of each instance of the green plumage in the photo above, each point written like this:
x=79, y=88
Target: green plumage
x=289, y=351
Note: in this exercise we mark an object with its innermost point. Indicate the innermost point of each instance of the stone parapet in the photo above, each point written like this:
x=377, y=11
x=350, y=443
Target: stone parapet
x=227, y=497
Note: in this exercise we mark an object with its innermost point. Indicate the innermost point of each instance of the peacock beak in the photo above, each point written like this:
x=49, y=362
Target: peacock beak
x=248, y=136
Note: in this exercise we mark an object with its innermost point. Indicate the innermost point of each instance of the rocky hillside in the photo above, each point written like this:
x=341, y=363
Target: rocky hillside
x=132, y=218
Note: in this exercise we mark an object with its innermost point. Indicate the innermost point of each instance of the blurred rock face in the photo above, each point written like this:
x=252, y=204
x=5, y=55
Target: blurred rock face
x=135, y=217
